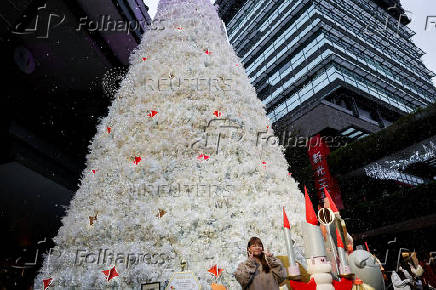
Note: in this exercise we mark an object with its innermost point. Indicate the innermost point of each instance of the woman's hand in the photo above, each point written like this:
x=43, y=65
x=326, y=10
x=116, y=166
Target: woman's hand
x=250, y=254
x=414, y=259
x=268, y=254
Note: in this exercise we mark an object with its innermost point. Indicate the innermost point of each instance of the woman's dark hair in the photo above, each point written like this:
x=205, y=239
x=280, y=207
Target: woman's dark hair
x=254, y=241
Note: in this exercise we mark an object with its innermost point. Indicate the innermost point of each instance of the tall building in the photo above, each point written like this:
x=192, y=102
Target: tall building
x=348, y=67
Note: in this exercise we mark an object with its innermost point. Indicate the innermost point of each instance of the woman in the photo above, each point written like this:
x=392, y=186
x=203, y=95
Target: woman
x=403, y=280
x=261, y=271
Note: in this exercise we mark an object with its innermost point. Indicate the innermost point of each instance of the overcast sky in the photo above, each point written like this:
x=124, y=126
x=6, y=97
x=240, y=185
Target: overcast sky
x=421, y=12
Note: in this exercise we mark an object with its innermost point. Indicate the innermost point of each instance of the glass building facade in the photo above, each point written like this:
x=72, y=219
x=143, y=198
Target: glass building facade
x=299, y=52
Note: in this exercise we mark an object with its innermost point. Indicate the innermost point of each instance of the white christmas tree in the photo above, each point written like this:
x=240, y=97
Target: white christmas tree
x=180, y=169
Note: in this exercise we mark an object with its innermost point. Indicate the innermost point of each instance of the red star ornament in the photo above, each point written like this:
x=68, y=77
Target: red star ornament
x=110, y=274
x=215, y=270
x=203, y=156
x=137, y=159
x=47, y=282
x=152, y=114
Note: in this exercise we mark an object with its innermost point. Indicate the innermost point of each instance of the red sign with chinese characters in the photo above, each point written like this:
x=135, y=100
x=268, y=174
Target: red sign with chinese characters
x=318, y=151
